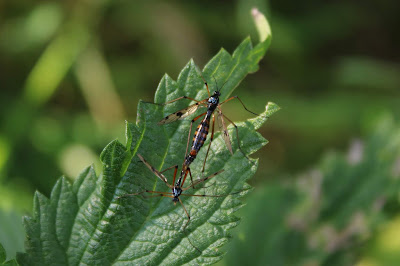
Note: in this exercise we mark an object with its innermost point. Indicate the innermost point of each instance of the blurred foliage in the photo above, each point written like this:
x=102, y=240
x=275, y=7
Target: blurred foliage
x=3, y=257
x=332, y=67
x=327, y=215
x=11, y=234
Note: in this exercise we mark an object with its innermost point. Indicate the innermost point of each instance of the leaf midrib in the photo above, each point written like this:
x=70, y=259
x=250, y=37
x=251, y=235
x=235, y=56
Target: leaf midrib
x=156, y=205
x=216, y=208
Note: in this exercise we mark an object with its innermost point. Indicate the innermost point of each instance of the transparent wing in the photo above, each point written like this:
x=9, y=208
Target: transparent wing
x=224, y=130
x=181, y=114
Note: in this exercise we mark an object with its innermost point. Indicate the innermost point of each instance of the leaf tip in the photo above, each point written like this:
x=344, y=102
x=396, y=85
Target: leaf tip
x=262, y=25
x=107, y=151
x=272, y=108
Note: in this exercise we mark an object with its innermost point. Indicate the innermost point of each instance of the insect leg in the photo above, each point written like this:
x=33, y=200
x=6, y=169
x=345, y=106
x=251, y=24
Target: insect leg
x=187, y=214
x=191, y=178
x=209, y=145
x=157, y=173
x=176, y=166
x=202, y=180
x=237, y=136
x=173, y=181
x=161, y=194
x=233, y=97
x=184, y=227
x=176, y=169
x=205, y=83
x=174, y=100
x=212, y=196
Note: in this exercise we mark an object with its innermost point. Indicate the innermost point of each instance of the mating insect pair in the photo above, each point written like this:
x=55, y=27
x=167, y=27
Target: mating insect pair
x=176, y=187
x=212, y=104
x=177, y=190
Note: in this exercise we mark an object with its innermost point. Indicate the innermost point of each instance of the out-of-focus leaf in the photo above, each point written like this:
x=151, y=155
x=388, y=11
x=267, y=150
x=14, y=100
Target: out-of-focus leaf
x=11, y=233
x=2, y=254
x=367, y=73
x=340, y=205
x=3, y=257
x=265, y=237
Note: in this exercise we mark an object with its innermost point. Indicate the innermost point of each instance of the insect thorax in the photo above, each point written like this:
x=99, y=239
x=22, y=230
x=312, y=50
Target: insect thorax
x=213, y=100
x=177, y=191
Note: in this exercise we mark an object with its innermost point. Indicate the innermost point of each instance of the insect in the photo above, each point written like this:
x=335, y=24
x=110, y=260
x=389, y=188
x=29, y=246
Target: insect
x=211, y=103
x=176, y=188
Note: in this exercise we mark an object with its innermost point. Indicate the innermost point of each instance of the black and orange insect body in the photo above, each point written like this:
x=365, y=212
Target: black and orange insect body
x=202, y=129
x=176, y=188
x=212, y=104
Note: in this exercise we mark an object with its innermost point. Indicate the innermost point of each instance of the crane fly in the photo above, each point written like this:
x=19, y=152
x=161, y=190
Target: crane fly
x=176, y=188
x=212, y=104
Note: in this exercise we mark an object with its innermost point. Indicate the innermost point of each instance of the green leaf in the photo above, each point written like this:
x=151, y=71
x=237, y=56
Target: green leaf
x=86, y=223
x=11, y=232
x=263, y=238
x=2, y=254
x=3, y=257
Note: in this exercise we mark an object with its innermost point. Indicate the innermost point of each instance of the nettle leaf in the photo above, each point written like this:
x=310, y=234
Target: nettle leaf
x=86, y=223
x=11, y=233
x=3, y=257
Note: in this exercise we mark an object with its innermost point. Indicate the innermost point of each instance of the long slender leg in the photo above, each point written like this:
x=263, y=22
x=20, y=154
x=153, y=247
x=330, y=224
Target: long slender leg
x=213, y=196
x=190, y=131
x=176, y=169
x=204, y=186
x=236, y=97
x=176, y=166
x=163, y=194
x=237, y=136
x=187, y=214
x=191, y=178
x=209, y=145
x=173, y=181
x=205, y=82
x=203, y=180
x=174, y=100
x=184, y=227
x=157, y=173
x=190, y=173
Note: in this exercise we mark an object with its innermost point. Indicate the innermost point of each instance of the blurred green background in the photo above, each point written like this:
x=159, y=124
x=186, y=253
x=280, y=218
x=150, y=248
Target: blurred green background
x=71, y=72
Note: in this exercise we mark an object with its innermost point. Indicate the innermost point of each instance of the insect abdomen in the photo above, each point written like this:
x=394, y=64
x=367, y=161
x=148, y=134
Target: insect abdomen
x=198, y=140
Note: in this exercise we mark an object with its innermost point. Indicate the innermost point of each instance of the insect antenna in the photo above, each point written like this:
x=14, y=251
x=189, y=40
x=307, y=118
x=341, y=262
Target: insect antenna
x=216, y=83
x=219, y=89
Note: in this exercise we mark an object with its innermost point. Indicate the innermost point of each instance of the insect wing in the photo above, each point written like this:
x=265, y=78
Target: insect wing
x=181, y=114
x=224, y=130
